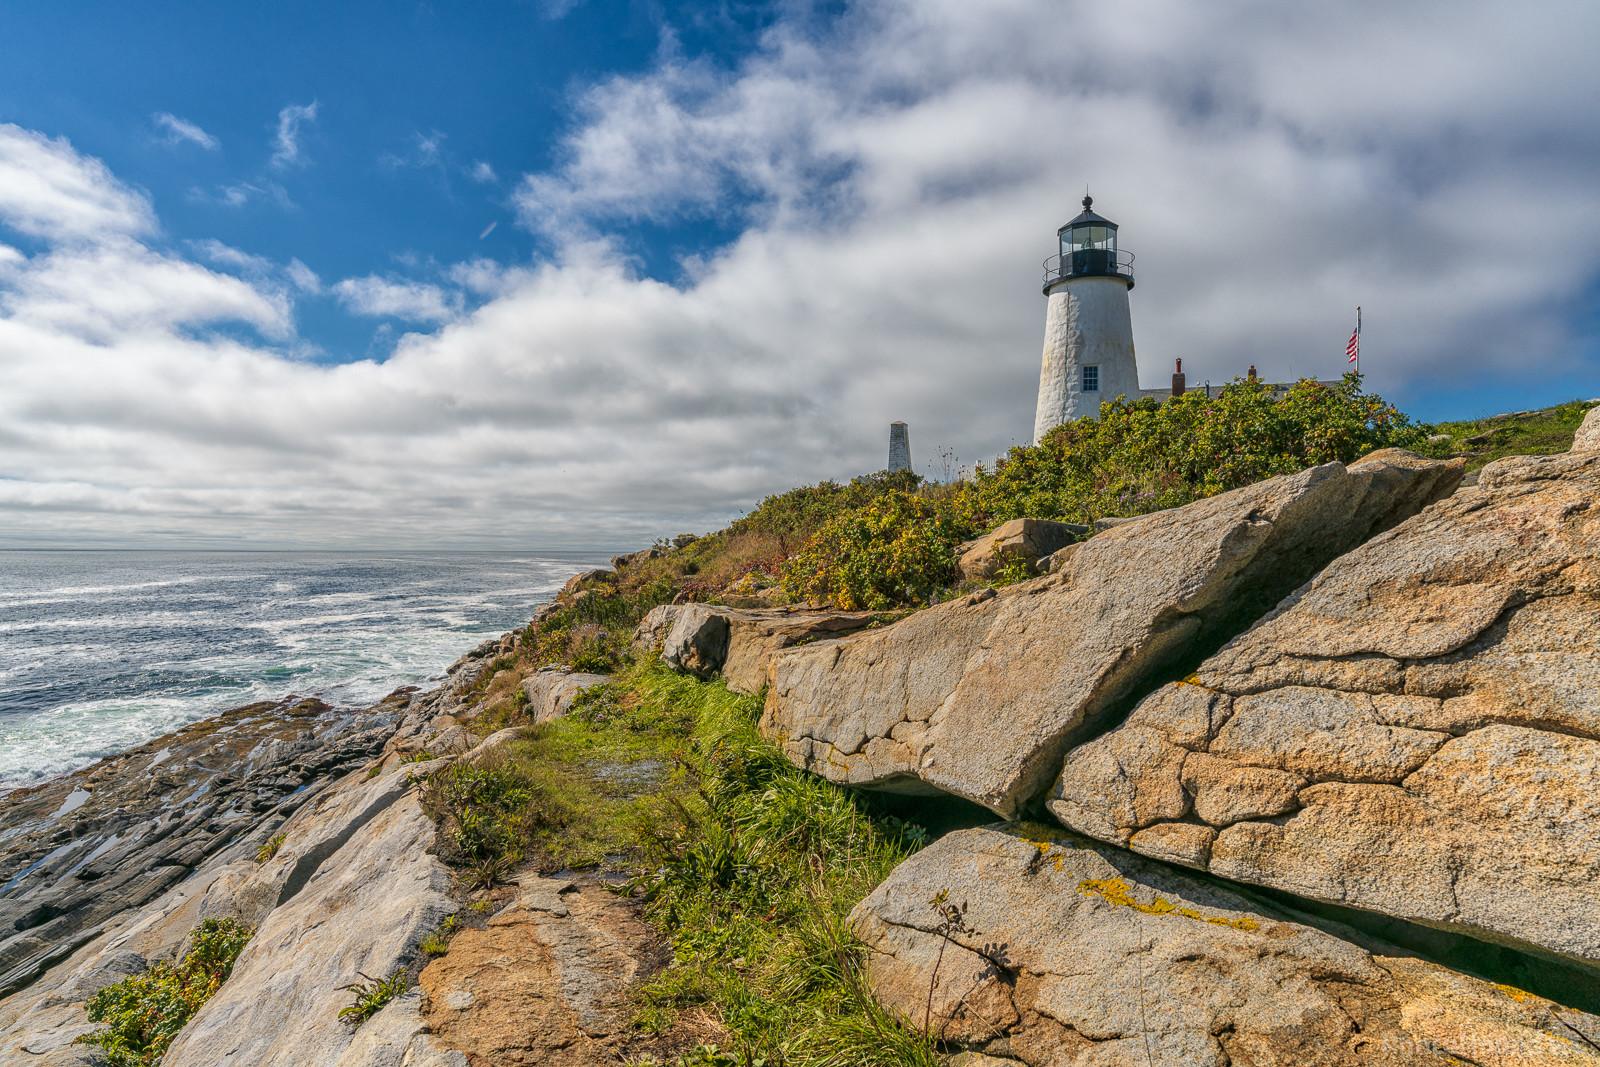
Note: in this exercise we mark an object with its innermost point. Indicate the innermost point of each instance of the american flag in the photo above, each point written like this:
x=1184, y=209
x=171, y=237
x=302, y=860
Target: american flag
x=1353, y=349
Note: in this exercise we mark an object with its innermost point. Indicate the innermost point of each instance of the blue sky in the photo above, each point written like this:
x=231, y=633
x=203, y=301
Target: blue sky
x=563, y=273
x=409, y=100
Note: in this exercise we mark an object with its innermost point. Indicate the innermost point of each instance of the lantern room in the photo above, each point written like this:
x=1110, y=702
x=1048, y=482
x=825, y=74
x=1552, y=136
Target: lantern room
x=1088, y=248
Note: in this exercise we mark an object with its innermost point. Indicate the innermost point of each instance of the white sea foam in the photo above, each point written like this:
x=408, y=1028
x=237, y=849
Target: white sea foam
x=103, y=652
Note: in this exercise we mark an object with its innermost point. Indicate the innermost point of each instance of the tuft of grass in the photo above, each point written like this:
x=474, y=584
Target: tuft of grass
x=570, y=792
x=493, y=812
x=436, y=942
x=270, y=849
x=371, y=995
x=143, y=1013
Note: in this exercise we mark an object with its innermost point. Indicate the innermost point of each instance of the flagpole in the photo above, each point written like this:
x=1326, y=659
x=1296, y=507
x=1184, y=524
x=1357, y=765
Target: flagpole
x=1358, y=340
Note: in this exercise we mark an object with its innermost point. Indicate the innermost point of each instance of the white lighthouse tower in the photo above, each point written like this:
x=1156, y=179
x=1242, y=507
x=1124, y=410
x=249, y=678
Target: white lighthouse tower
x=1088, y=332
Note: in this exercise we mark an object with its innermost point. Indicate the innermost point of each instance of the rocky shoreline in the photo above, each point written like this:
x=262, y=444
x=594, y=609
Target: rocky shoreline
x=1303, y=773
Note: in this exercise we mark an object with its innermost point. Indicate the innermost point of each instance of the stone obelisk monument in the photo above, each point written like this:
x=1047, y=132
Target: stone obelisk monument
x=899, y=447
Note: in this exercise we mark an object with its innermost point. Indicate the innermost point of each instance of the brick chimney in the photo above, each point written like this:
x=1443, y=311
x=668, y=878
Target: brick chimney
x=1252, y=375
x=1179, y=383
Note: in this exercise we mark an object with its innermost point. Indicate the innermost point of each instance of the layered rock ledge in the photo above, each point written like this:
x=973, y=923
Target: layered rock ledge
x=83, y=850
x=981, y=697
x=1415, y=733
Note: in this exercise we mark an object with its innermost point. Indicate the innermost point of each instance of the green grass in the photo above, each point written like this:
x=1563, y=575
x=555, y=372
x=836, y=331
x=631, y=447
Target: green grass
x=270, y=848
x=751, y=875
x=143, y=1013
x=1533, y=433
x=436, y=942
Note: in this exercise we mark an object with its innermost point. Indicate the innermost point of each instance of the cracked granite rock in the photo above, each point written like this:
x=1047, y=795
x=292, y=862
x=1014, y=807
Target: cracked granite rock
x=980, y=697
x=1416, y=732
x=1084, y=956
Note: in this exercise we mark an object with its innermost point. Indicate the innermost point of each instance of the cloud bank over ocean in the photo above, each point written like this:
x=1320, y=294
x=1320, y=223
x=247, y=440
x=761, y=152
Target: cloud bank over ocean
x=889, y=181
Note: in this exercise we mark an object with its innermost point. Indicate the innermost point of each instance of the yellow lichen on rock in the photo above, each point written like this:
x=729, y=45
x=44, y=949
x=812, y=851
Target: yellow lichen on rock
x=1119, y=892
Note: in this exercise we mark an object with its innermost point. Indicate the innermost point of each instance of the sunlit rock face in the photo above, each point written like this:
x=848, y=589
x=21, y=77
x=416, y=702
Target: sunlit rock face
x=980, y=697
x=1416, y=732
x=1035, y=948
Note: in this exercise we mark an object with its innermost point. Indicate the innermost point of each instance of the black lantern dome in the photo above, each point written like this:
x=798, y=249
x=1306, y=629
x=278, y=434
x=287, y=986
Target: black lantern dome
x=1088, y=248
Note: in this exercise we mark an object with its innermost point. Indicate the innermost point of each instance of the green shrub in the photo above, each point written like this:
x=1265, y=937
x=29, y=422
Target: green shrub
x=1146, y=455
x=795, y=515
x=371, y=995
x=897, y=549
x=143, y=1013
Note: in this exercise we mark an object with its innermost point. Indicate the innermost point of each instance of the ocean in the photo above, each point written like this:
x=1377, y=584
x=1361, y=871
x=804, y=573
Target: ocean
x=102, y=651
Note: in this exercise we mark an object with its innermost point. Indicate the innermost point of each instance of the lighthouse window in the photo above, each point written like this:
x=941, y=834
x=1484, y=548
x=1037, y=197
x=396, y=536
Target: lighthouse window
x=1086, y=238
x=1091, y=379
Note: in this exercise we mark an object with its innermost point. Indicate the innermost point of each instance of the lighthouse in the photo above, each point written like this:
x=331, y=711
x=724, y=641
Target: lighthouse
x=1088, y=332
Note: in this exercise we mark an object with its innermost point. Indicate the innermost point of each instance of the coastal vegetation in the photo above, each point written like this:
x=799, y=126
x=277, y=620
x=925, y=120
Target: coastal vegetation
x=747, y=865
x=885, y=541
x=1522, y=433
x=140, y=1015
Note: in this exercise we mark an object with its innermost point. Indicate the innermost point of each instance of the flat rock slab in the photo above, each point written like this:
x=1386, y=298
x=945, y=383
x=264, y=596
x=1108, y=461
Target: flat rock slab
x=547, y=983
x=1415, y=733
x=1068, y=955
x=980, y=697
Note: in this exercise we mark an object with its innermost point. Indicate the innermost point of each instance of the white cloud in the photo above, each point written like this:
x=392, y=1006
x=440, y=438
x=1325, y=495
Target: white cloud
x=228, y=256
x=111, y=290
x=303, y=277
x=178, y=130
x=384, y=297
x=49, y=191
x=482, y=172
x=893, y=186
x=484, y=277
x=239, y=194
x=286, y=150
x=426, y=151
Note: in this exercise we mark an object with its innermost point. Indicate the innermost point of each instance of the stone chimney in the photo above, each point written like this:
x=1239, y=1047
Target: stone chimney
x=899, y=447
x=1179, y=384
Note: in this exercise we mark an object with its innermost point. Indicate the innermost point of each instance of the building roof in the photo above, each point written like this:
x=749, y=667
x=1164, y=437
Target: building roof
x=1088, y=215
